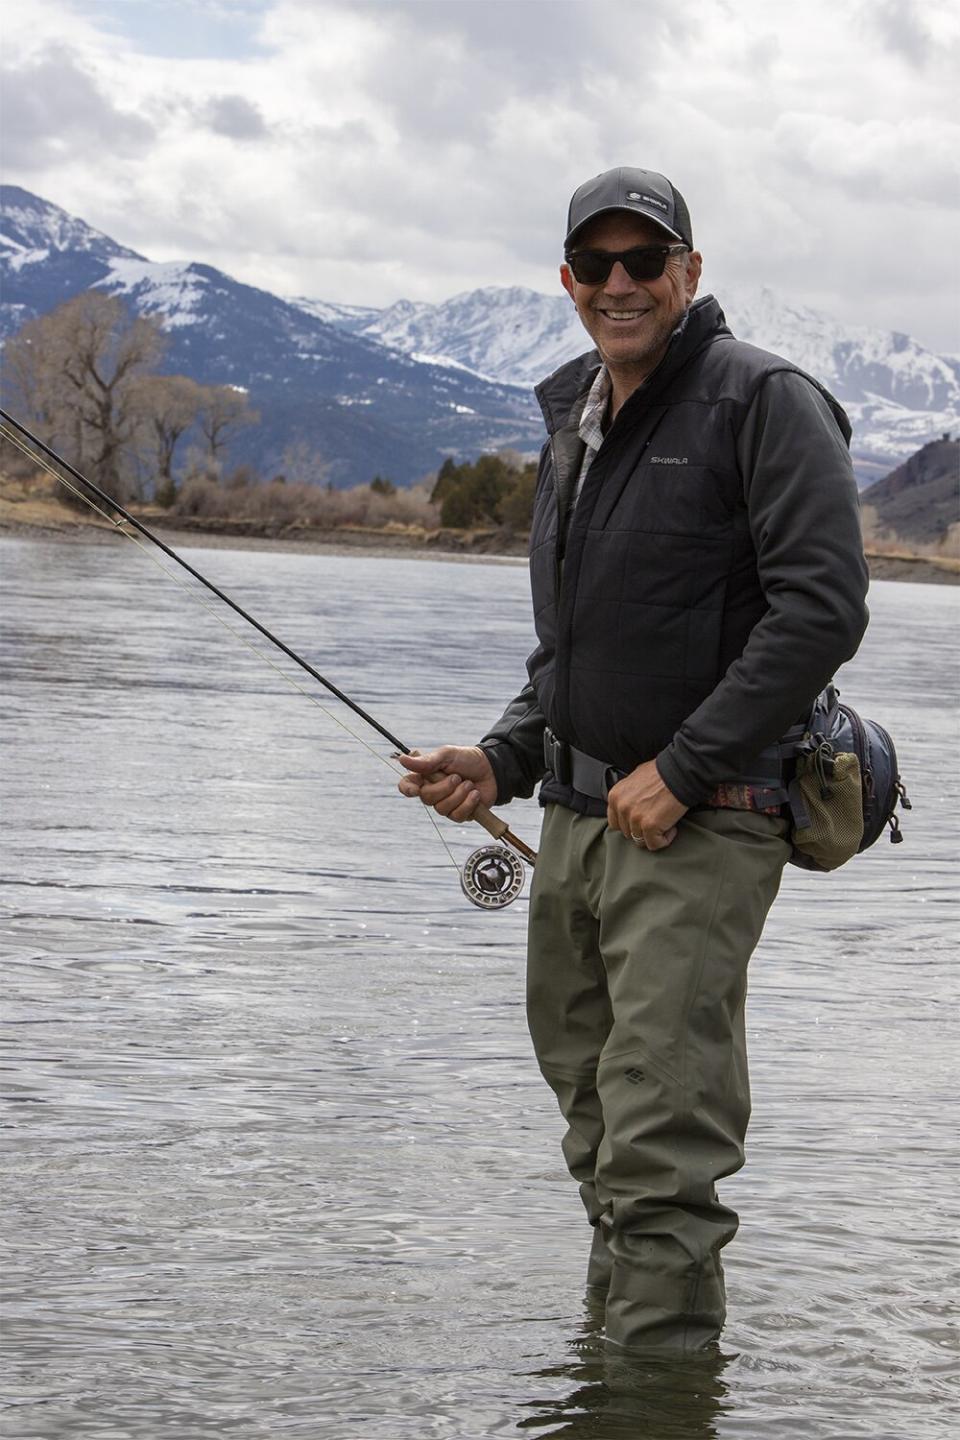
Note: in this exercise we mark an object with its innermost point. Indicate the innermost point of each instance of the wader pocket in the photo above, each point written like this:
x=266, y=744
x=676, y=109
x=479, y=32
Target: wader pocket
x=826, y=798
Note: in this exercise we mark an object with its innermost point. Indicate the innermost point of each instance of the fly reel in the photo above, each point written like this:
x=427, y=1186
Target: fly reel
x=492, y=877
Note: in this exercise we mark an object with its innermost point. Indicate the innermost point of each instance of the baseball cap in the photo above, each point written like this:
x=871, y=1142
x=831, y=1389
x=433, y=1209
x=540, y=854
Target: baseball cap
x=639, y=192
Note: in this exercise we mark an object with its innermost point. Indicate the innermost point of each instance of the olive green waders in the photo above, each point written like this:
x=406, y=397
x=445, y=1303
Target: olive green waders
x=637, y=978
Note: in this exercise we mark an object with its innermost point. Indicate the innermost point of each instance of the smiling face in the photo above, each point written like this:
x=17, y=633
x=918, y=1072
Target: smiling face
x=631, y=321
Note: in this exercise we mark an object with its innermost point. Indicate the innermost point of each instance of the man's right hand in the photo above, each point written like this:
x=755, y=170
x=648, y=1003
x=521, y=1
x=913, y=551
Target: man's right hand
x=454, y=779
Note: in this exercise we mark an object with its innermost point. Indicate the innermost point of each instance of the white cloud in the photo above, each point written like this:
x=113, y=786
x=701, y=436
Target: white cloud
x=234, y=116
x=914, y=160
x=53, y=113
x=366, y=151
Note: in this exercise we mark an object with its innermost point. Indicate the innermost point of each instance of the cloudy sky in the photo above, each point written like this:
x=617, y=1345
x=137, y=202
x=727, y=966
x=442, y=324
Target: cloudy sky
x=368, y=150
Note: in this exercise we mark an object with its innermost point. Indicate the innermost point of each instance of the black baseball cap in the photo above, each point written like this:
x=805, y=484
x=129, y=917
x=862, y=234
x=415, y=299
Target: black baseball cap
x=638, y=192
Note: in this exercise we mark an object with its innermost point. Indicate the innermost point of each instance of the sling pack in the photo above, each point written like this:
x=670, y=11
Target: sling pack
x=845, y=787
x=835, y=773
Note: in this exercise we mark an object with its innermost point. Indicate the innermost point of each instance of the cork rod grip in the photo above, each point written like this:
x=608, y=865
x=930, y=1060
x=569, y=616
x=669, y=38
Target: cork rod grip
x=496, y=827
x=483, y=815
x=491, y=823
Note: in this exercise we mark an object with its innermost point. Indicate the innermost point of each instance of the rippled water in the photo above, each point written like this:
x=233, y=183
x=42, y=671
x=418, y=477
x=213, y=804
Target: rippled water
x=278, y=1160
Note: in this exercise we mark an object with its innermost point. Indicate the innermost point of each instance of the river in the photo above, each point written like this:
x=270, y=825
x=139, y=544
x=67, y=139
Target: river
x=278, y=1159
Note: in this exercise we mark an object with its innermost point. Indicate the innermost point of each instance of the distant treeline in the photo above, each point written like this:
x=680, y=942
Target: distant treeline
x=493, y=492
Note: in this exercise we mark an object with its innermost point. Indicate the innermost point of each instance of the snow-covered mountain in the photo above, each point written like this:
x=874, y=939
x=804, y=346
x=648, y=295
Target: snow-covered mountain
x=364, y=408
x=354, y=318
x=34, y=230
x=508, y=332
x=394, y=390
x=897, y=393
x=46, y=256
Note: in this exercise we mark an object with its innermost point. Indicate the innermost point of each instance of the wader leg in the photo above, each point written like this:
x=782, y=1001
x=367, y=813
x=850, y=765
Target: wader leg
x=675, y=930
x=567, y=1002
x=600, y=1262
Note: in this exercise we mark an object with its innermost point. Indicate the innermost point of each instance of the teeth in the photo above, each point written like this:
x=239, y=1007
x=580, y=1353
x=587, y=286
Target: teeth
x=623, y=314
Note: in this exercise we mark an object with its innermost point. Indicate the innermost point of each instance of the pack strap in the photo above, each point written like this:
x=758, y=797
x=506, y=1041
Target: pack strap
x=595, y=778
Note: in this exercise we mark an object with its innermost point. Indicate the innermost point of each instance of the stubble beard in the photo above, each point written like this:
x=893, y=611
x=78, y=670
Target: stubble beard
x=644, y=351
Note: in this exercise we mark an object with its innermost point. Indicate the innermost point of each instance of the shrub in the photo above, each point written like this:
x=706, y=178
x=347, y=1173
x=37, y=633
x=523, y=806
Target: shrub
x=166, y=492
x=516, y=509
x=275, y=504
x=446, y=480
x=493, y=490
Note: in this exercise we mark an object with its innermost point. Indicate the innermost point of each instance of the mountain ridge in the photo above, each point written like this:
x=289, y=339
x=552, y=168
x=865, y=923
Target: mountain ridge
x=896, y=392
x=359, y=406
x=394, y=390
x=918, y=501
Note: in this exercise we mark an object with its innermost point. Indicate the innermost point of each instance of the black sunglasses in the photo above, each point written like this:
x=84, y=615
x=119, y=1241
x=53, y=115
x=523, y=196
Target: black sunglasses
x=643, y=262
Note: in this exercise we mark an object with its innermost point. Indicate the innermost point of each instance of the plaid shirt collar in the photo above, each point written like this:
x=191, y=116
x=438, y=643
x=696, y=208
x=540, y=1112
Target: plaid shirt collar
x=590, y=428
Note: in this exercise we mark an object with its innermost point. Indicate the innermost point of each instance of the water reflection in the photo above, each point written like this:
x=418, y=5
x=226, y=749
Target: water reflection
x=614, y=1396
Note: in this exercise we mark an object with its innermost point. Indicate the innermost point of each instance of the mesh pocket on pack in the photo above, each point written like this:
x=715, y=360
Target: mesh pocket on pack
x=828, y=825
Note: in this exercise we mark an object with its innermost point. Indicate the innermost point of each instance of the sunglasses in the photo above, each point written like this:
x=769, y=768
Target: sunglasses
x=643, y=262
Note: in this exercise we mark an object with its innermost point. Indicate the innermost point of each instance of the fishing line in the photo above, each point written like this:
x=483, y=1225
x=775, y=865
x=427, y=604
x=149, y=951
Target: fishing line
x=492, y=876
x=221, y=620
x=195, y=594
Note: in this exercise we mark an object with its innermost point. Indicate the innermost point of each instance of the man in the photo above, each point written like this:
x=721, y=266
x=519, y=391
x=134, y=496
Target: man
x=697, y=577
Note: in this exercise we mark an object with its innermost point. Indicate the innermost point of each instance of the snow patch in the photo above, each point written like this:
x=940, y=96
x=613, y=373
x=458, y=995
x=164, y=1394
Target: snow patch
x=171, y=292
x=345, y=317
x=444, y=362
x=19, y=255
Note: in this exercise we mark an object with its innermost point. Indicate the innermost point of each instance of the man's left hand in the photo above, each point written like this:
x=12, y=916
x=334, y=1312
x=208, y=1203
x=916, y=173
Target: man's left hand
x=644, y=809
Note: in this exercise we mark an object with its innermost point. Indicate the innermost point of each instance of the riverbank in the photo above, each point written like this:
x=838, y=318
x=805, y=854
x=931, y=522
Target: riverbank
x=39, y=517
x=44, y=518
x=920, y=569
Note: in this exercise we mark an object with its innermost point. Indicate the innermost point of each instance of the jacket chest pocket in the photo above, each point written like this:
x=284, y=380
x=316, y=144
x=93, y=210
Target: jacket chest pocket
x=673, y=495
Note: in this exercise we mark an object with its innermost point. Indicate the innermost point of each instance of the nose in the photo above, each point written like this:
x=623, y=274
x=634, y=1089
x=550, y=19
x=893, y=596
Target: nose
x=618, y=281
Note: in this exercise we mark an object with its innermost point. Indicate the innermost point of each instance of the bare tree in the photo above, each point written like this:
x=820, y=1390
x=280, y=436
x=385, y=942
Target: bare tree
x=81, y=377
x=73, y=372
x=223, y=410
x=302, y=465
x=26, y=382
x=167, y=406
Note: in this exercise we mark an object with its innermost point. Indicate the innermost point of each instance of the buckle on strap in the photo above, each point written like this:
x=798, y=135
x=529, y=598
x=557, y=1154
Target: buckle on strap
x=556, y=756
x=573, y=767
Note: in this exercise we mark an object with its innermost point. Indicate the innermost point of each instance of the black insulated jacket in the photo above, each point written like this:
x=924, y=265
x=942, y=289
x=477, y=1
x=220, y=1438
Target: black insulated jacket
x=711, y=579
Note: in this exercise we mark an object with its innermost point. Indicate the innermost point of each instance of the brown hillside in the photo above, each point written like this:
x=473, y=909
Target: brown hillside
x=920, y=500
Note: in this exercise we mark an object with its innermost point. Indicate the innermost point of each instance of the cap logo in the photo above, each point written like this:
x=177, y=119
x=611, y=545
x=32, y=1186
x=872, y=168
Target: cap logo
x=648, y=199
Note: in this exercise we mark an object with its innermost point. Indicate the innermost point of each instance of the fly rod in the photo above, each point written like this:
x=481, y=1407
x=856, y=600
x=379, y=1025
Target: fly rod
x=492, y=876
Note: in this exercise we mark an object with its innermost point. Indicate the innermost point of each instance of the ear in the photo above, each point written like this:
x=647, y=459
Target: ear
x=694, y=270
x=567, y=281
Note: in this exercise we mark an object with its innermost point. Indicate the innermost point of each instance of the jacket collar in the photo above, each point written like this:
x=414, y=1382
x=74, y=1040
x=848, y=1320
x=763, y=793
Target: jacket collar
x=560, y=392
